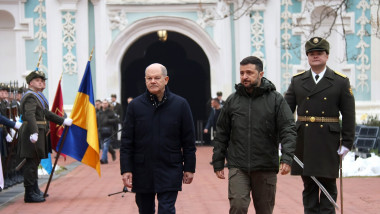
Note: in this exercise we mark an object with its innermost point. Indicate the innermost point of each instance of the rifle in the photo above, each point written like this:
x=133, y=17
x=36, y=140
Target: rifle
x=12, y=113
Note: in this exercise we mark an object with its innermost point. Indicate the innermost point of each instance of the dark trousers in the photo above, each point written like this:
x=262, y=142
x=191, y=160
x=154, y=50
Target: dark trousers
x=30, y=171
x=166, y=202
x=315, y=201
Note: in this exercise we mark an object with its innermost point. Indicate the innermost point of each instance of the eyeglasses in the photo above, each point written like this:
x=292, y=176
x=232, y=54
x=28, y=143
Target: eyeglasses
x=149, y=79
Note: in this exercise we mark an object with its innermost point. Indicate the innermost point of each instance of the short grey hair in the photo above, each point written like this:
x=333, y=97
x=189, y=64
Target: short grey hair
x=163, y=69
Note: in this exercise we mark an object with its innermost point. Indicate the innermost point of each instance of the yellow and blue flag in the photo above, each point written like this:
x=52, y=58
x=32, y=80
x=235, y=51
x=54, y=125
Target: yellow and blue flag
x=81, y=141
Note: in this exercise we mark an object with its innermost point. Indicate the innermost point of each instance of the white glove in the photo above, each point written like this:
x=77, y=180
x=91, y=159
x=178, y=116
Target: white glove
x=17, y=118
x=17, y=125
x=343, y=151
x=8, y=138
x=13, y=132
x=33, y=137
x=68, y=122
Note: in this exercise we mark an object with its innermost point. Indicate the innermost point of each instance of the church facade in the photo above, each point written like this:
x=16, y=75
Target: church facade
x=200, y=41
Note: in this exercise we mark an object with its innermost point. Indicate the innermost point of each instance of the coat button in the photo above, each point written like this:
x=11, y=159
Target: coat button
x=325, y=98
x=308, y=98
x=323, y=112
x=307, y=125
x=307, y=111
x=321, y=126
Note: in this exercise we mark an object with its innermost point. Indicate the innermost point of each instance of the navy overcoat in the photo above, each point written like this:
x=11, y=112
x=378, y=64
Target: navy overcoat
x=158, y=142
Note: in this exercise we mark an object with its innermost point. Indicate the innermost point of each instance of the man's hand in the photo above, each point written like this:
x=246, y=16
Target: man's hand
x=220, y=174
x=127, y=179
x=17, y=125
x=342, y=151
x=33, y=137
x=284, y=168
x=187, y=177
x=68, y=122
x=9, y=138
x=205, y=131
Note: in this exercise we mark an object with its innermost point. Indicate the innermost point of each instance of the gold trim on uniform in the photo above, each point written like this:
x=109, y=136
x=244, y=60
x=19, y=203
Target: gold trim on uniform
x=299, y=73
x=340, y=74
x=37, y=122
x=318, y=119
x=352, y=94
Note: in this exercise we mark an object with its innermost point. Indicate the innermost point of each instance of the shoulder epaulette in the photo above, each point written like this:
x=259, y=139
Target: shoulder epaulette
x=299, y=73
x=340, y=74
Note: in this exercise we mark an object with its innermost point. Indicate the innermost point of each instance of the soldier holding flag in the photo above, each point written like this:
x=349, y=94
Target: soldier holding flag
x=33, y=142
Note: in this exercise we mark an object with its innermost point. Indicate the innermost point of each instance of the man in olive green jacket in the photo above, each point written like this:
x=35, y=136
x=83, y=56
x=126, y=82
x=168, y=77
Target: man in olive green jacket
x=252, y=123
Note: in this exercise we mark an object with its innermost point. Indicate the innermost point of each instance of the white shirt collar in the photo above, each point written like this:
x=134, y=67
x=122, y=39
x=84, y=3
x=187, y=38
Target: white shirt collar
x=320, y=75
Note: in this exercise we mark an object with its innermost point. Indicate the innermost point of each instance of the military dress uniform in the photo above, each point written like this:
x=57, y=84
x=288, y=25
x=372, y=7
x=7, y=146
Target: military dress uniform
x=35, y=116
x=319, y=131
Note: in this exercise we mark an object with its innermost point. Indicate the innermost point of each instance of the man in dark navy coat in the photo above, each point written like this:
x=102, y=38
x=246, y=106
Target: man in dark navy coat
x=321, y=95
x=157, y=150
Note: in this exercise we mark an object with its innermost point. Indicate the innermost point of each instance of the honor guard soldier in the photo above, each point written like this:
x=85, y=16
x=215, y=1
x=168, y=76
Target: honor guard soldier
x=320, y=96
x=33, y=139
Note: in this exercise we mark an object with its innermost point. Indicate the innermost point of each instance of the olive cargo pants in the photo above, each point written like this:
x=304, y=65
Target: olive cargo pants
x=261, y=184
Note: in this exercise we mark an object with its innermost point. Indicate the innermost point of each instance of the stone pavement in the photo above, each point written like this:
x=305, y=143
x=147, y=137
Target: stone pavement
x=81, y=190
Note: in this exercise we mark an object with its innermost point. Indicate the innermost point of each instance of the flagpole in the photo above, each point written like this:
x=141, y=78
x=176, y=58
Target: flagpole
x=60, y=148
x=38, y=63
x=56, y=161
x=341, y=179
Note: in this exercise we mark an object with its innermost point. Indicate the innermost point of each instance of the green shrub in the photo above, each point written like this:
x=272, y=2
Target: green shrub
x=372, y=121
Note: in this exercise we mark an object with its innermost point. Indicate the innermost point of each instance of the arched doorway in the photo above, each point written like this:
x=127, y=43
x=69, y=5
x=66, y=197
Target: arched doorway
x=8, y=56
x=186, y=62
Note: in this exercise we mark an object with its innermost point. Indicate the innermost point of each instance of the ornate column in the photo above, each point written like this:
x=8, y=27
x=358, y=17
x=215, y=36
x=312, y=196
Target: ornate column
x=69, y=60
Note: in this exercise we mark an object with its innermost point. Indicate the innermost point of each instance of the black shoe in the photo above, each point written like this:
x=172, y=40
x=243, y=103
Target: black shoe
x=113, y=155
x=31, y=196
x=211, y=163
x=38, y=191
x=104, y=161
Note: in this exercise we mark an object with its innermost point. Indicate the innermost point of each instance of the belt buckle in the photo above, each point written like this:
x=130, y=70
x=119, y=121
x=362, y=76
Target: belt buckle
x=312, y=119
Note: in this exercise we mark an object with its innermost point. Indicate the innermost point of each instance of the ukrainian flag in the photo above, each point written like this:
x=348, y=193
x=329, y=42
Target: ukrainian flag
x=81, y=140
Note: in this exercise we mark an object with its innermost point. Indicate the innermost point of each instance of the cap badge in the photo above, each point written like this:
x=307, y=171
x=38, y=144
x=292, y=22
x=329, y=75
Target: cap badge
x=315, y=40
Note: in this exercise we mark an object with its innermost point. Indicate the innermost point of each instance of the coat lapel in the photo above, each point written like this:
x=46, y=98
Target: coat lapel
x=308, y=82
x=324, y=83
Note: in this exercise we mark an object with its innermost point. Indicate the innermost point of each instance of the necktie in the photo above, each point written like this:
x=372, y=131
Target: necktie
x=316, y=77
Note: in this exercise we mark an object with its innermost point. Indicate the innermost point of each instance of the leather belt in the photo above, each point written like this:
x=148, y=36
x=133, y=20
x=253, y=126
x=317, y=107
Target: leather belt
x=38, y=122
x=318, y=119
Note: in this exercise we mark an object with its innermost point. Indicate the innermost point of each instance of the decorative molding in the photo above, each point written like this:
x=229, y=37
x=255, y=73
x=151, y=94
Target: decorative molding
x=118, y=19
x=207, y=16
x=68, y=5
x=69, y=42
x=149, y=2
x=286, y=27
x=257, y=35
x=40, y=35
x=95, y=2
x=363, y=59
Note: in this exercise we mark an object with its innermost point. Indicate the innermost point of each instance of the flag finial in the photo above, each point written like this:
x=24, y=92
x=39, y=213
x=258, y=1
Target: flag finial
x=92, y=51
